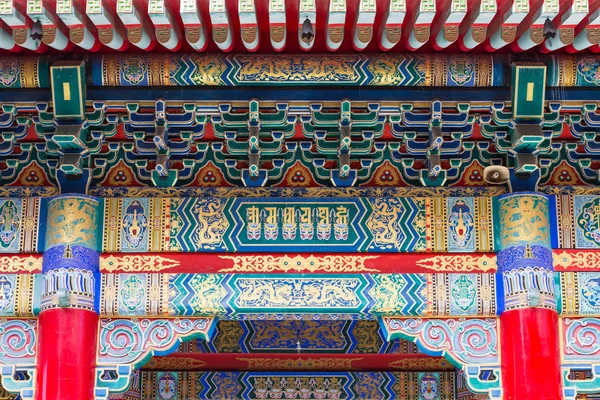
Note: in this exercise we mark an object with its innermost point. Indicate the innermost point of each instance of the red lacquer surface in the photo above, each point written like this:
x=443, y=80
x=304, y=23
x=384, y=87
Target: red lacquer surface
x=530, y=354
x=66, y=354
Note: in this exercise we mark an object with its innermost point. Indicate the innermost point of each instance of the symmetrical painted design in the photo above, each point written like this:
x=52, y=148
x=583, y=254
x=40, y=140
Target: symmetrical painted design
x=245, y=296
x=579, y=350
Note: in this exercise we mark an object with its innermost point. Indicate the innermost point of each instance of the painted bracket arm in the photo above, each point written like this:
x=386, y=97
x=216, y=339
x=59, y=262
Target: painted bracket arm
x=139, y=31
x=221, y=25
x=53, y=35
x=453, y=18
x=478, y=28
x=535, y=34
x=507, y=31
x=336, y=21
x=421, y=29
x=20, y=25
x=80, y=29
x=589, y=36
x=249, y=25
x=277, y=25
x=167, y=31
x=193, y=25
x=105, y=23
x=391, y=31
x=363, y=28
x=566, y=30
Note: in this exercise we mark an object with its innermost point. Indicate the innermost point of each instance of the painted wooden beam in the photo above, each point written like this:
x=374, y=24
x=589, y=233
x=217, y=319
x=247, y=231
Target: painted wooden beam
x=81, y=31
x=249, y=28
x=167, y=31
x=106, y=24
x=363, y=28
x=422, y=26
x=507, y=31
x=53, y=35
x=478, y=25
x=535, y=34
x=193, y=24
x=336, y=20
x=391, y=31
x=453, y=18
x=139, y=29
x=221, y=25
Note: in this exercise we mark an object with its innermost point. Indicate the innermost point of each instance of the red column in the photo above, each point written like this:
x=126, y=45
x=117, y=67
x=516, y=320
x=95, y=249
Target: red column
x=529, y=348
x=68, y=320
x=66, y=354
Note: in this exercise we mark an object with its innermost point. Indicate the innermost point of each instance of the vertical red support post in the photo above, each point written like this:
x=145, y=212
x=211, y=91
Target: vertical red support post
x=529, y=320
x=68, y=321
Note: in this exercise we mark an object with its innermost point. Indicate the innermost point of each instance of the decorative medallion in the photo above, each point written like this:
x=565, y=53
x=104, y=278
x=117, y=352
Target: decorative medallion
x=163, y=34
x=291, y=364
x=9, y=71
x=106, y=35
x=10, y=222
x=20, y=35
x=593, y=35
x=461, y=69
x=220, y=34
x=277, y=33
x=210, y=175
x=133, y=68
x=460, y=226
x=192, y=34
x=567, y=35
x=135, y=224
x=393, y=34
x=564, y=175
x=588, y=221
x=48, y=34
x=479, y=33
x=589, y=68
x=428, y=387
x=6, y=292
x=299, y=264
x=422, y=33
x=120, y=175
x=508, y=33
x=249, y=34
x=536, y=35
x=365, y=33
x=20, y=264
x=76, y=34
x=590, y=292
x=387, y=175
x=336, y=34
x=299, y=176
x=464, y=293
x=135, y=263
x=451, y=33
x=134, y=35
x=132, y=294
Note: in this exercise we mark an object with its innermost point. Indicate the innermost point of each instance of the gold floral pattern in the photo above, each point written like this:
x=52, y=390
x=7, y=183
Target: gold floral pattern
x=299, y=263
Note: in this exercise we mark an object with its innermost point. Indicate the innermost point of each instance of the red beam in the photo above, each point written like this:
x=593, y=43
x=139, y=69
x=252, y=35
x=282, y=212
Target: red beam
x=297, y=362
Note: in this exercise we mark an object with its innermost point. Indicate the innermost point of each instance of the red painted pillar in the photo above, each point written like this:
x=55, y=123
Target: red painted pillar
x=529, y=320
x=68, y=321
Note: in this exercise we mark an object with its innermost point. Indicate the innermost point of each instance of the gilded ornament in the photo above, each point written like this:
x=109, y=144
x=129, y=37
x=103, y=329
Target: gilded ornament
x=277, y=33
x=136, y=263
x=325, y=364
x=20, y=35
x=422, y=33
x=479, y=33
x=192, y=34
x=393, y=34
x=365, y=33
x=593, y=35
x=299, y=263
x=459, y=263
x=76, y=34
x=422, y=364
x=73, y=221
x=17, y=264
x=336, y=34
x=451, y=33
x=134, y=34
x=48, y=34
x=577, y=260
x=174, y=364
x=106, y=35
x=508, y=33
x=163, y=34
x=536, y=35
x=566, y=35
x=524, y=220
x=220, y=34
x=249, y=34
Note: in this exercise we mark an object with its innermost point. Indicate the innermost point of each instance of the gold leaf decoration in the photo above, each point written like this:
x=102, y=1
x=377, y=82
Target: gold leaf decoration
x=286, y=364
x=579, y=259
x=20, y=264
x=459, y=263
x=299, y=263
x=422, y=364
x=136, y=263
